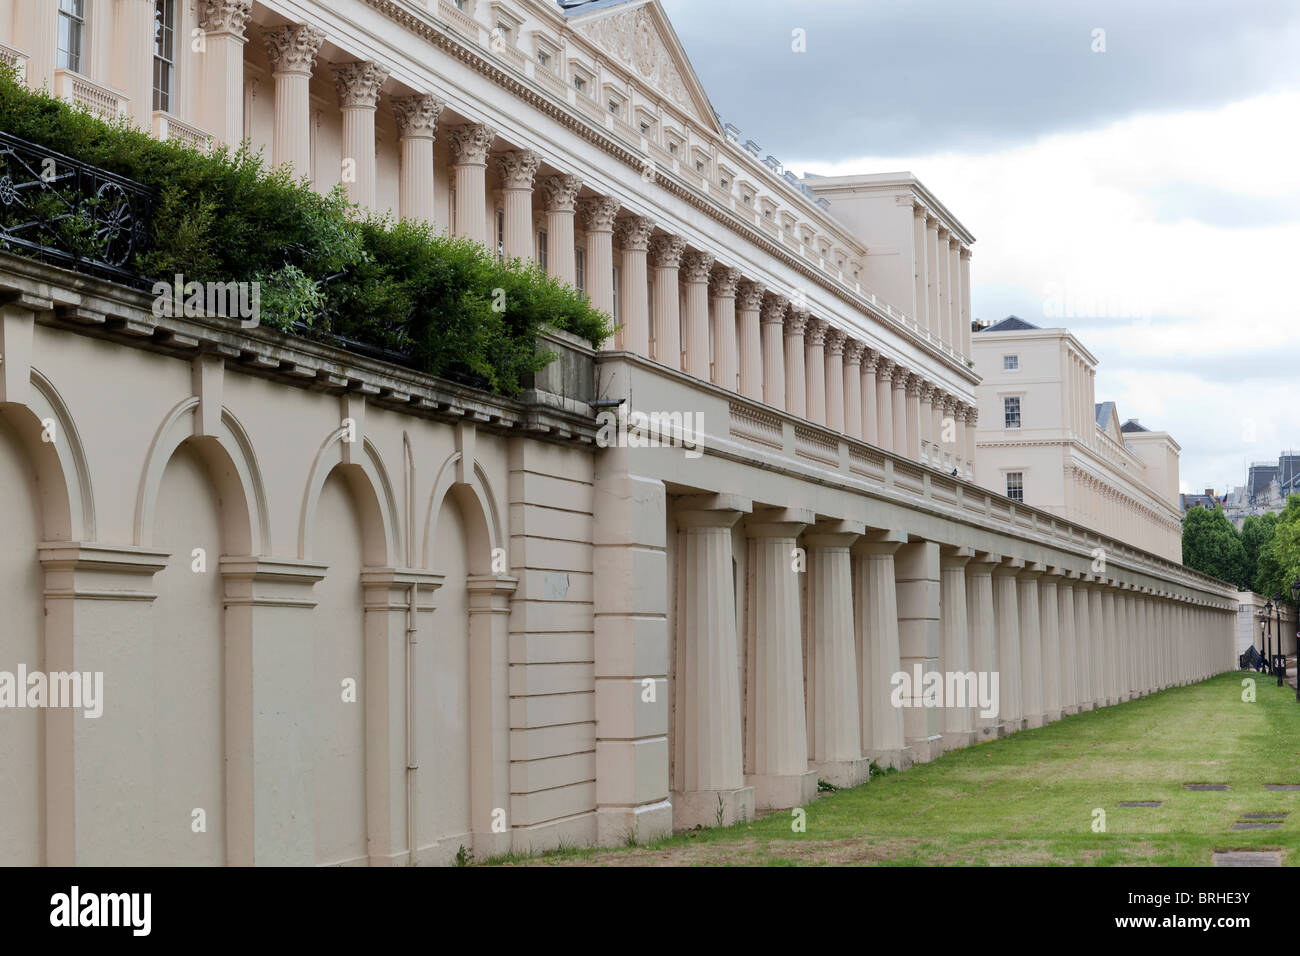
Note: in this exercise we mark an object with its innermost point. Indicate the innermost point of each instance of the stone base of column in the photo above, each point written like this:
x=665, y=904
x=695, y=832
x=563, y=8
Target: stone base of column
x=925, y=749
x=1051, y=717
x=616, y=826
x=1033, y=721
x=899, y=759
x=985, y=734
x=1008, y=727
x=1086, y=705
x=1069, y=710
x=1111, y=702
x=711, y=808
x=955, y=740
x=844, y=773
x=781, y=791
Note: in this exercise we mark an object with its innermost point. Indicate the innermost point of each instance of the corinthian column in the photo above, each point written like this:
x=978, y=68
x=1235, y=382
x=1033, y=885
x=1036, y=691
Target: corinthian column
x=796, y=394
x=749, y=303
x=972, y=417
x=709, y=772
x=773, y=335
x=469, y=149
x=815, y=371
x=666, y=255
x=777, y=741
x=358, y=86
x=726, y=365
x=292, y=51
x=417, y=124
x=561, y=201
x=834, y=726
x=634, y=303
x=925, y=423
x=907, y=414
x=875, y=617
x=518, y=169
x=885, y=402
x=852, y=373
x=220, y=87
x=697, y=266
x=834, y=375
x=870, y=418
x=598, y=217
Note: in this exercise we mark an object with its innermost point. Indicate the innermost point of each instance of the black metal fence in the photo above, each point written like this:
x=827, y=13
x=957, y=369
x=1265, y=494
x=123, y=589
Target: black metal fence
x=66, y=212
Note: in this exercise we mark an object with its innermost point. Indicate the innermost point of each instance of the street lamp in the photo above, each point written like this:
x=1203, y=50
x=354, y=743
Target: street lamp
x=1295, y=597
x=1261, y=640
x=1268, y=635
x=1281, y=658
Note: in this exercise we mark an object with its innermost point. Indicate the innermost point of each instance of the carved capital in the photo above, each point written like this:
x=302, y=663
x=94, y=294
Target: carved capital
x=749, y=295
x=599, y=213
x=561, y=193
x=914, y=385
x=927, y=392
x=885, y=368
x=972, y=415
x=871, y=360
x=417, y=116
x=470, y=144
x=225, y=16
x=774, y=307
x=834, y=341
x=293, y=49
x=900, y=377
x=725, y=280
x=666, y=251
x=518, y=168
x=358, y=84
x=796, y=322
x=697, y=265
x=815, y=332
x=853, y=350
x=633, y=233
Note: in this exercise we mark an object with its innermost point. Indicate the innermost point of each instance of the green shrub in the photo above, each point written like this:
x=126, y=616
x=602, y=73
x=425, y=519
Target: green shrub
x=322, y=265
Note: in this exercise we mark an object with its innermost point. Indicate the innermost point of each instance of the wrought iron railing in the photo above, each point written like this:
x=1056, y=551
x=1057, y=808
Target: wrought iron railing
x=69, y=213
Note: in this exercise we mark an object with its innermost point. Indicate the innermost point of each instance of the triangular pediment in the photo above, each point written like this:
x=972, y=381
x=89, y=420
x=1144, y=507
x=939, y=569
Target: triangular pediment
x=639, y=36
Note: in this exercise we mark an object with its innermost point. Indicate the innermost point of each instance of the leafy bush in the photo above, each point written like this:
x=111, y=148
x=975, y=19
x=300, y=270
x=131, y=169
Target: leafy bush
x=322, y=264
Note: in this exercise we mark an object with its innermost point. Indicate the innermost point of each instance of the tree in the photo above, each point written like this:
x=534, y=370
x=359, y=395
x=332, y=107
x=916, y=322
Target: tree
x=1213, y=546
x=1256, y=534
x=1279, y=561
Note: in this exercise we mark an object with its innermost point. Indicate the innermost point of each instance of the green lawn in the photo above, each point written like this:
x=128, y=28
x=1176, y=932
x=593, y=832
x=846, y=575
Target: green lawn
x=1030, y=798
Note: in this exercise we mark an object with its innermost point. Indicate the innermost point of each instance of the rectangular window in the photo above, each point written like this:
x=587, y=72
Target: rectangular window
x=72, y=29
x=164, y=63
x=1010, y=363
x=541, y=249
x=1011, y=411
x=579, y=84
x=616, y=296
x=501, y=235
x=580, y=269
x=1016, y=486
x=544, y=60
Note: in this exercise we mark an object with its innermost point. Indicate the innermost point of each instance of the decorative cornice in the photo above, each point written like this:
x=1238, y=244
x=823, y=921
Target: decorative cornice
x=696, y=266
x=561, y=193
x=666, y=251
x=633, y=233
x=358, y=83
x=293, y=49
x=725, y=280
x=225, y=16
x=599, y=213
x=518, y=168
x=417, y=116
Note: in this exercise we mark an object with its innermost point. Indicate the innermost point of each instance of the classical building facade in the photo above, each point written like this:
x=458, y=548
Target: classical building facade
x=354, y=614
x=1044, y=440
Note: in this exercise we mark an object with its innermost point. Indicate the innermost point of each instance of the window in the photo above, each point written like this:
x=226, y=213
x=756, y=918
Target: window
x=164, y=44
x=645, y=128
x=1010, y=363
x=1016, y=486
x=541, y=249
x=615, y=107
x=580, y=269
x=724, y=182
x=699, y=166
x=501, y=234
x=544, y=59
x=580, y=84
x=1011, y=411
x=72, y=29
x=616, y=295
x=503, y=30
x=747, y=199
x=672, y=148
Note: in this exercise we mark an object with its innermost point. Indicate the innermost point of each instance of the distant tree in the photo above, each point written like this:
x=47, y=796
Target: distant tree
x=1279, y=560
x=1213, y=546
x=1256, y=534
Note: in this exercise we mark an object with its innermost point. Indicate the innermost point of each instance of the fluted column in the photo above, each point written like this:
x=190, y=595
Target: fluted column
x=469, y=150
x=1111, y=642
x=937, y=401
x=774, y=349
x=1050, y=629
x=358, y=86
x=870, y=419
x=749, y=305
x=834, y=376
x=921, y=273
x=875, y=616
x=901, y=378
x=982, y=625
x=1083, y=644
x=1031, y=647
x=851, y=372
x=634, y=302
x=709, y=772
x=666, y=256
x=726, y=364
x=1007, y=605
x=948, y=426
x=939, y=325
x=1097, y=617
x=220, y=70
x=1069, y=651
x=598, y=215
x=932, y=270
x=517, y=169
x=954, y=294
x=965, y=303
x=777, y=736
x=696, y=267
x=796, y=393
x=972, y=418
x=561, y=203
x=417, y=124
x=955, y=653
x=885, y=373
x=925, y=424
x=292, y=51
x=815, y=371
x=834, y=725
x=913, y=391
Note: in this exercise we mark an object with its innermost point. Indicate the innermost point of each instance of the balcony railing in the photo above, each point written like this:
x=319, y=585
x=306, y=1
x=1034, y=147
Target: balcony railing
x=15, y=58
x=74, y=88
x=55, y=208
x=166, y=126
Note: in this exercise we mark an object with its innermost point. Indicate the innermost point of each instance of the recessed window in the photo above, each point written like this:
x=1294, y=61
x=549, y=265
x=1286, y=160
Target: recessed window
x=164, y=44
x=699, y=167
x=672, y=148
x=615, y=107
x=501, y=234
x=645, y=129
x=544, y=59
x=747, y=199
x=1010, y=363
x=580, y=269
x=503, y=31
x=72, y=29
x=460, y=4
x=1016, y=485
x=580, y=84
x=541, y=249
x=724, y=182
x=1011, y=411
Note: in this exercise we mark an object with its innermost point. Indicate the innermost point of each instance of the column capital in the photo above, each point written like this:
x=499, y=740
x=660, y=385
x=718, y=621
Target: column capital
x=725, y=281
x=417, y=116
x=965, y=253
x=711, y=510
x=816, y=331
x=885, y=368
x=749, y=295
x=470, y=144
x=561, y=192
x=953, y=241
x=955, y=557
x=518, y=168
x=774, y=308
x=666, y=251
x=358, y=83
x=904, y=379
x=972, y=415
x=927, y=391
x=853, y=350
x=225, y=16
x=796, y=322
x=633, y=233
x=599, y=213
x=293, y=49
x=697, y=265
x=834, y=341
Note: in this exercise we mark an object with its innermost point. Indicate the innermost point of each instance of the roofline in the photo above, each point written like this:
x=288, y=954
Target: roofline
x=987, y=334
x=883, y=181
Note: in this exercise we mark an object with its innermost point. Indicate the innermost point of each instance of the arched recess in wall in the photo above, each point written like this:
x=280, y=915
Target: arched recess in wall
x=367, y=475
x=45, y=496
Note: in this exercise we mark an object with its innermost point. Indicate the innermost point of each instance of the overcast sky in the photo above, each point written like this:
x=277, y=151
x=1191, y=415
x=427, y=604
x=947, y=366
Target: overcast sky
x=1147, y=196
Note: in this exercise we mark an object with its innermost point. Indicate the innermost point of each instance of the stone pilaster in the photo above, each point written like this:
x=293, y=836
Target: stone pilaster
x=916, y=568
x=489, y=671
